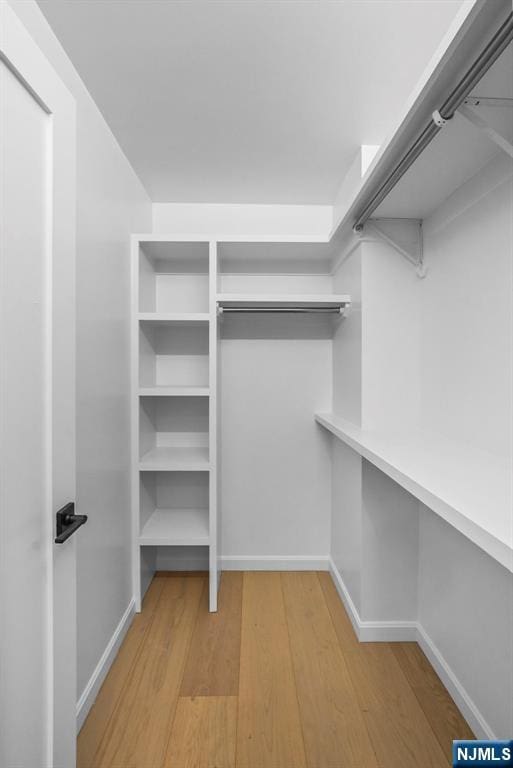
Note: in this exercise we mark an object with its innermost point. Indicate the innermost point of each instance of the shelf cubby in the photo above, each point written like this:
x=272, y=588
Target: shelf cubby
x=174, y=509
x=173, y=433
x=173, y=358
x=173, y=277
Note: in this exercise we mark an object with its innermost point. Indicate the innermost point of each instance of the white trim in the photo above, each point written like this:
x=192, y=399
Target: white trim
x=94, y=683
x=397, y=631
x=371, y=631
x=456, y=690
x=219, y=237
x=275, y=563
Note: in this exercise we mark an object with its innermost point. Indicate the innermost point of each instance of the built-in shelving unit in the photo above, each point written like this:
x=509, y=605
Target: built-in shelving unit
x=173, y=397
x=278, y=278
x=181, y=290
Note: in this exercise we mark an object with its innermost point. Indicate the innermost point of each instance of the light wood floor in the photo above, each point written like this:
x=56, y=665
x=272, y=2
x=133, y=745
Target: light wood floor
x=275, y=679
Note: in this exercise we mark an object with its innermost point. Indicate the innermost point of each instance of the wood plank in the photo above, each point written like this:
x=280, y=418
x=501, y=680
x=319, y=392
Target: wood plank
x=334, y=730
x=268, y=728
x=212, y=667
x=399, y=731
x=341, y=621
x=203, y=733
x=138, y=732
x=94, y=727
x=440, y=710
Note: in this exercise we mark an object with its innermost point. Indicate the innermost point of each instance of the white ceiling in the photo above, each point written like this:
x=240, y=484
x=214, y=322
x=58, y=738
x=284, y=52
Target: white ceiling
x=248, y=101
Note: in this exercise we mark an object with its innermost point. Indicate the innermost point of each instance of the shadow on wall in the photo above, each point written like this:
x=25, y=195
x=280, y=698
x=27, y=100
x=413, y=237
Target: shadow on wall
x=270, y=326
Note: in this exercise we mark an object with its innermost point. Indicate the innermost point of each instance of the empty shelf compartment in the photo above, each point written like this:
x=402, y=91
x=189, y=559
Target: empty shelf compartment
x=173, y=357
x=173, y=277
x=174, y=509
x=173, y=433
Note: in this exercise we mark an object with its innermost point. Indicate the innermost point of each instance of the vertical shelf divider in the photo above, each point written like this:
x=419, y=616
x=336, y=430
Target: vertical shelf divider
x=134, y=420
x=214, y=554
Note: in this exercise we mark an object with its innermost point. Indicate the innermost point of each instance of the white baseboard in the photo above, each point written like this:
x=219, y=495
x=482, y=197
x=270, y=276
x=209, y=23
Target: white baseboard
x=397, y=631
x=275, y=563
x=371, y=631
x=94, y=683
x=458, y=693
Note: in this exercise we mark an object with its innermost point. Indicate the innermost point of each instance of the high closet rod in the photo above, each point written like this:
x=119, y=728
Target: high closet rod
x=280, y=310
x=481, y=65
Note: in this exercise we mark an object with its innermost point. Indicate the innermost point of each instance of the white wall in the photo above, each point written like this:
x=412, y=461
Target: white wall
x=465, y=601
x=390, y=532
x=346, y=545
x=111, y=204
x=390, y=340
x=232, y=220
x=276, y=469
x=347, y=342
x=467, y=312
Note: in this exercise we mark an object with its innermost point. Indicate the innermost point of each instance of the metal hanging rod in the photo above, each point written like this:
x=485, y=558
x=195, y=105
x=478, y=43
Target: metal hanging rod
x=440, y=117
x=284, y=310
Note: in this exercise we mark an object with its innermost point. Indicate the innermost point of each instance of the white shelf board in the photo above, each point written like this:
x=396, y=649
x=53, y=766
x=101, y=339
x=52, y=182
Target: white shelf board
x=184, y=459
x=474, y=23
x=469, y=488
x=174, y=317
x=174, y=391
x=176, y=527
x=282, y=300
x=457, y=153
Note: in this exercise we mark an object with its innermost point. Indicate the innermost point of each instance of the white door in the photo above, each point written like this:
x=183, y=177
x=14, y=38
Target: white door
x=37, y=441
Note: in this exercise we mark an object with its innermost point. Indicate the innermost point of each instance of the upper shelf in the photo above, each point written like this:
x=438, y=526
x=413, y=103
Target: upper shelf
x=470, y=489
x=437, y=167
x=458, y=152
x=285, y=301
x=174, y=317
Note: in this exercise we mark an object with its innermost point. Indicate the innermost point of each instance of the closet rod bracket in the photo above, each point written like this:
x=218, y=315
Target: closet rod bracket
x=415, y=254
x=439, y=120
x=480, y=123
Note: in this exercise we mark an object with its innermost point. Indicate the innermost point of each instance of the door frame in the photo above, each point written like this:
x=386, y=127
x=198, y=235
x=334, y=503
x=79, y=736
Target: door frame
x=23, y=57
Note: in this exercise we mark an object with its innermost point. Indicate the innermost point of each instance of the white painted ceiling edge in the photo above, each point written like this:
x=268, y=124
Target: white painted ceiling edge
x=248, y=103
x=224, y=220
x=310, y=221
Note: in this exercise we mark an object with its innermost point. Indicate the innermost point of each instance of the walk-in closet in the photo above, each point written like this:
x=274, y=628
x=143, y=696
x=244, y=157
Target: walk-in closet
x=256, y=391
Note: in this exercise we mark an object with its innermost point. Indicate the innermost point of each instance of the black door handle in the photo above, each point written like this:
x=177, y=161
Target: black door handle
x=68, y=522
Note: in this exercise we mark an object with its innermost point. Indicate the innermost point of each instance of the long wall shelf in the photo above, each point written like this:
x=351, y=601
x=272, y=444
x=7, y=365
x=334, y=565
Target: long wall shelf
x=469, y=489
